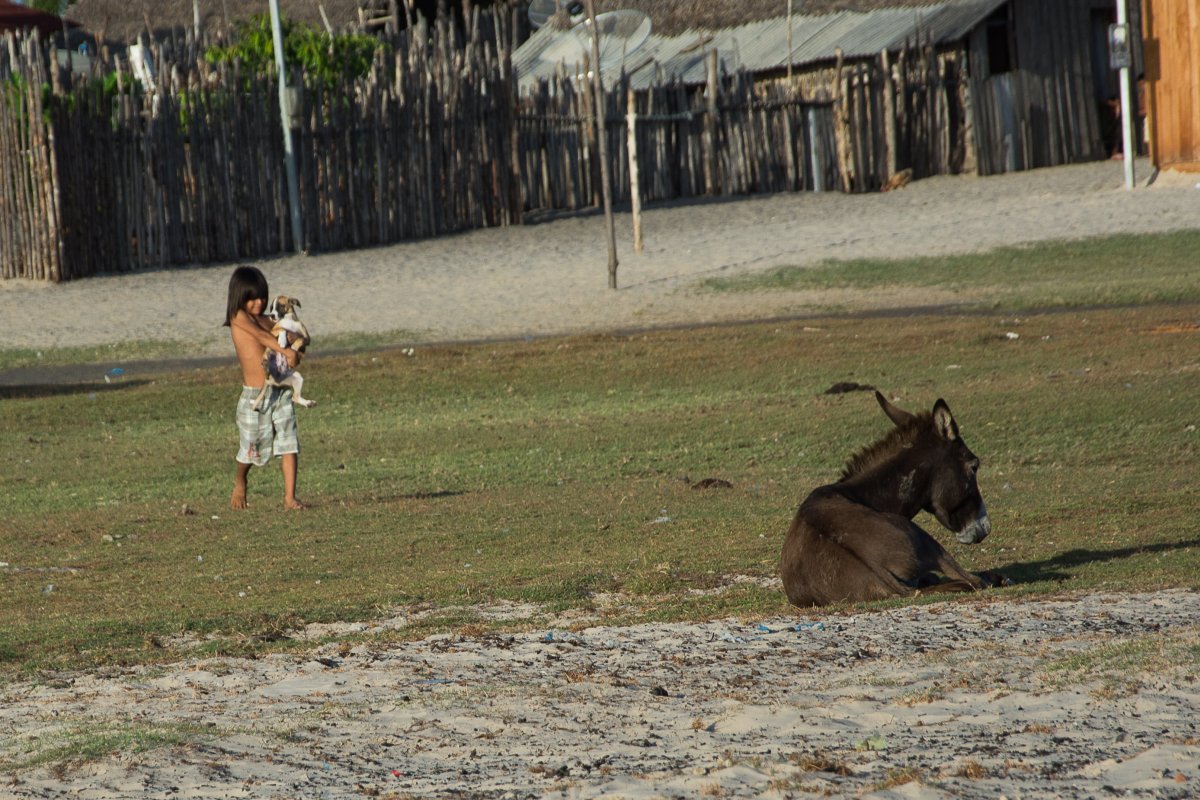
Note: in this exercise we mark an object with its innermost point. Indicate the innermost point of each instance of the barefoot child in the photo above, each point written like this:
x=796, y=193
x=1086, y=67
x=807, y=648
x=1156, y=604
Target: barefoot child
x=272, y=428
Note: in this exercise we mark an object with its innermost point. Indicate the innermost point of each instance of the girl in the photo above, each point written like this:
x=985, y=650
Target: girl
x=272, y=428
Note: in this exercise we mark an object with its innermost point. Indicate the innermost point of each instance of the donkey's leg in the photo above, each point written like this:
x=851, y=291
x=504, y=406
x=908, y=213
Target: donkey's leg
x=935, y=557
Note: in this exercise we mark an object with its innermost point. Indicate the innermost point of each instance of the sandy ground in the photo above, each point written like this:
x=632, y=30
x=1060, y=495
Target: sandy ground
x=551, y=278
x=980, y=698
x=986, y=696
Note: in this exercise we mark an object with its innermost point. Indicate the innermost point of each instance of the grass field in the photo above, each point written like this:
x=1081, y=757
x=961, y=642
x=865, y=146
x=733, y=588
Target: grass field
x=554, y=470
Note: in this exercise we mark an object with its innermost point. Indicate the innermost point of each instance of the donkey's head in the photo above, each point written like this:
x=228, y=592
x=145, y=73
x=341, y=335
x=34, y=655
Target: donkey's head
x=951, y=489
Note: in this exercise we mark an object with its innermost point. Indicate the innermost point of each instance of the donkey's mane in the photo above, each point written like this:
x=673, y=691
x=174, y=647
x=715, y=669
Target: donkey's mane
x=895, y=440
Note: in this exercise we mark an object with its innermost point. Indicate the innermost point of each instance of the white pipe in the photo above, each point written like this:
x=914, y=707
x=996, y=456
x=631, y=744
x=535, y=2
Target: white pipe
x=285, y=120
x=1126, y=106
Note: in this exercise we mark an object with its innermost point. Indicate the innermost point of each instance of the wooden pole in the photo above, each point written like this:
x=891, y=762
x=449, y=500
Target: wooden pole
x=889, y=114
x=635, y=192
x=710, y=125
x=605, y=177
x=789, y=43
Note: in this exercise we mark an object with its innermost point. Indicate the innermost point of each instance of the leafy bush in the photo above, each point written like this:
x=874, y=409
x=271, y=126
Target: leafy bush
x=323, y=58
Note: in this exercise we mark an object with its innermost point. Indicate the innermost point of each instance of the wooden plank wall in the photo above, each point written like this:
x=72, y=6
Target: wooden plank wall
x=1043, y=113
x=1172, y=42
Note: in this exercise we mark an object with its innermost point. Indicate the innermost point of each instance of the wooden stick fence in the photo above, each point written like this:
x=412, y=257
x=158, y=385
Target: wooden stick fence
x=434, y=140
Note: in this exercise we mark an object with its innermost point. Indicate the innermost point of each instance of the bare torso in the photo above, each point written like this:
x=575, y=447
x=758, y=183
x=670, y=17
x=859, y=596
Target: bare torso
x=248, y=334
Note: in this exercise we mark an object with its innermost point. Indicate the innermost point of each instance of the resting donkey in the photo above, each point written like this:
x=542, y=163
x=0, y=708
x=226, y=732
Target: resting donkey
x=855, y=539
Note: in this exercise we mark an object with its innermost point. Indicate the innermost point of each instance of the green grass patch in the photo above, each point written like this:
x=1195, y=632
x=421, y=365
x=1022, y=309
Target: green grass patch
x=553, y=473
x=77, y=744
x=1118, y=669
x=1112, y=270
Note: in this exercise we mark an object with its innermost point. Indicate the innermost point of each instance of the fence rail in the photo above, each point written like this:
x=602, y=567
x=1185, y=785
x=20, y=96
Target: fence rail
x=434, y=140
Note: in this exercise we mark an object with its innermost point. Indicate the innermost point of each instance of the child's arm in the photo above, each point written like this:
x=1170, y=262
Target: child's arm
x=249, y=325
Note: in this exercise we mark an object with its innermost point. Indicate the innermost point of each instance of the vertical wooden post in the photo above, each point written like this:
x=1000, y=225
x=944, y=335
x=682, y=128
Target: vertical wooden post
x=601, y=135
x=889, y=115
x=841, y=123
x=710, y=126
x=635, y=191
x=789, y=43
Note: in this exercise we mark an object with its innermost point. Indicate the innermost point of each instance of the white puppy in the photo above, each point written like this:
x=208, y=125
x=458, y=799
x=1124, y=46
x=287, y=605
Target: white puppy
x=290, y=332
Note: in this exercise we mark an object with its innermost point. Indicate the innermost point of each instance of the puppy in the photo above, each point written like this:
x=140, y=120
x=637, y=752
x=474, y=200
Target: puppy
x=290, y=332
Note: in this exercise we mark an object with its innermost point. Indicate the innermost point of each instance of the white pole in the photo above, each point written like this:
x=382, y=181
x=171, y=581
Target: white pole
x=1126, y=109
x=285, y=120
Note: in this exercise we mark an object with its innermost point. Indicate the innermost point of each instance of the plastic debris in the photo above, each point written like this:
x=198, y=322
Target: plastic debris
x=875, y=742
x=49, y=588
x=799, y=627
x=663, y=517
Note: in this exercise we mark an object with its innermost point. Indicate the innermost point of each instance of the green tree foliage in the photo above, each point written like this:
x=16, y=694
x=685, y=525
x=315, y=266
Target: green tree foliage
x=49, y=6
x=323, y=58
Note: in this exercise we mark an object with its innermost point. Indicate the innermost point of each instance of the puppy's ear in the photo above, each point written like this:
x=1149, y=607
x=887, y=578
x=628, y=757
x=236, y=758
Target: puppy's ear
x=295, y=303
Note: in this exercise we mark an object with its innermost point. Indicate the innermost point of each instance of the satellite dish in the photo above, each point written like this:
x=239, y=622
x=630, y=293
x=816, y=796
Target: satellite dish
x=621, y=33
x=540, y=11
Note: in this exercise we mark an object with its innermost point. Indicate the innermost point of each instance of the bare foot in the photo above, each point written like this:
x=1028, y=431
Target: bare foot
x=294, y=505
x=238, y=500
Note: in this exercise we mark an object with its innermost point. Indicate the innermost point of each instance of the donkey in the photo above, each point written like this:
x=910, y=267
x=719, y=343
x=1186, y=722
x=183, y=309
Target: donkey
x=855, y=540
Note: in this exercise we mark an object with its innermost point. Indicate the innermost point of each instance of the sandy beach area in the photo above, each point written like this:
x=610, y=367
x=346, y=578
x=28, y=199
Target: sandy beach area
x=551, y=278
x=987, y=696
x=976, y=698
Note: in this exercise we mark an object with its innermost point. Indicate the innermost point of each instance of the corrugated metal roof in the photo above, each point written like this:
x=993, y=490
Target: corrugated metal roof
x=760, y=46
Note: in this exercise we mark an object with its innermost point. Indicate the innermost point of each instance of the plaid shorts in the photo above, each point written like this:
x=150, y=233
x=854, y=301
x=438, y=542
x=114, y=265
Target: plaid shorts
x=270, y=430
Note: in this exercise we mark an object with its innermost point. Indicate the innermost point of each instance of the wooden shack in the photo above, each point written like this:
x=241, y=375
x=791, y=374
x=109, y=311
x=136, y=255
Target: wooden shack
x=1171, y=33
x=1043, y=89
x=1028, y=81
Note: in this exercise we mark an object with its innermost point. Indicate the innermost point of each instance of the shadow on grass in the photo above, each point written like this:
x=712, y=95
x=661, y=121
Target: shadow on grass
x=432, y=495
x=1058, y=567
x=59, y=390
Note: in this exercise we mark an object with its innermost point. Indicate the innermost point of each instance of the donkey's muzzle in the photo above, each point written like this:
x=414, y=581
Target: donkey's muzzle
x=977, y=530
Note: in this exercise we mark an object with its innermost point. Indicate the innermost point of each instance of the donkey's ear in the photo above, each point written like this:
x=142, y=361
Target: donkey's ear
x=943, y=421
x=896, y=415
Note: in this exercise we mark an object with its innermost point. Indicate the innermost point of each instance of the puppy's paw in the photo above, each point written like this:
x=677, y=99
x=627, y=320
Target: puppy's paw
x=304, y=402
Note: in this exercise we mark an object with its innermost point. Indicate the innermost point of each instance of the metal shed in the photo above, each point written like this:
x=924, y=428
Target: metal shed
x=757, y=47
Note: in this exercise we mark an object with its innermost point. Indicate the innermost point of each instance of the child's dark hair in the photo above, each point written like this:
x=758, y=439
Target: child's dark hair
x=246, y=284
